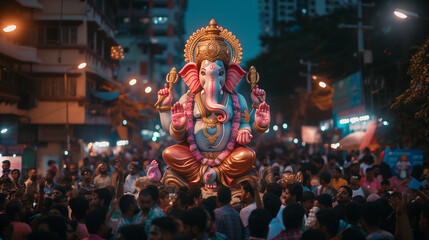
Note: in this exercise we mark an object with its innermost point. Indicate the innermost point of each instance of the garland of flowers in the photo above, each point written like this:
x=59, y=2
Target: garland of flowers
x=234, y=127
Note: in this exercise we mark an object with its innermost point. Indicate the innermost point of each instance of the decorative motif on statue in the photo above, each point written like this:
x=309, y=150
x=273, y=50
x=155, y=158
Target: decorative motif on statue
x=212, y=120
x=153, y=173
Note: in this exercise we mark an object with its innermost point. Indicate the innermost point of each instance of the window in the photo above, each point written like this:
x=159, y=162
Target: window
x=48, y=35
x=54, y=87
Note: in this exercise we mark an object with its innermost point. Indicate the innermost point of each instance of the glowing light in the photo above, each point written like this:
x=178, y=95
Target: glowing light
x=323, y=128
x=295, y=140
x=284, y=126
x=353, y=120
x=4, y=130
x=124, y=122
x=304, y=11
x=400, y=14
x=268, y=130
x=154, y=139
x=364, y=118
x=322, y=84
x=66, y=153
x=275, y=128
x=1, y=154
x=156, y=134
x=334, y=146
x=157, y=127
x=101, y=144
x=9, y=28
x=122, y=143
x=132, y=82
x=148, y=89
x=303, y=144
x=385, y=123
x=14, y=155
x=82, y=65
x=344, y=121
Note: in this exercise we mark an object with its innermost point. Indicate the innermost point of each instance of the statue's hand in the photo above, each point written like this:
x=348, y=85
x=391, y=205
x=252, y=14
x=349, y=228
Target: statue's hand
x=262, y=115
x=254, y=95
x=165, y=92
x=178, y=116
x=244, y=137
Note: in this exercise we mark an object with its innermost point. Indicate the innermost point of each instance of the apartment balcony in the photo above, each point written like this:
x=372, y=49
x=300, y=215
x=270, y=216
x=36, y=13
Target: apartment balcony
x=19, y=52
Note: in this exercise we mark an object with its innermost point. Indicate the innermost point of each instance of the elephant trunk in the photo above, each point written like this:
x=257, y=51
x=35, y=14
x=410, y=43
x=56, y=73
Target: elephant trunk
x=212, y=89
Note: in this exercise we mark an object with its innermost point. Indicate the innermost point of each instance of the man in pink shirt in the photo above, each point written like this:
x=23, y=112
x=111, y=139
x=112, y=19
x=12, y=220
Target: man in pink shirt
x=370, y=182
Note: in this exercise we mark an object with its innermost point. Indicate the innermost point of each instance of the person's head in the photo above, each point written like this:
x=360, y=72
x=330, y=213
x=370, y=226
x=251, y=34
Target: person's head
x=293, y=193
x=313, y=234
x=337, y=173
x=164, y=199
x=79, y=206
x=131, y=232
x=247, y=193
x=128, y=205
x=332, y=159
x=368, y=159
x=354, y=169
x=344, y=194
x=59, y=210
x=275, y=189
x=307, y=200
x=194, y=196
x=351, y=234
x=385, y=185
x=51, y=162
x=328, y=221
x=102, y=168
x=292, y=216
x=146, y=199
x=371, y=215
x=49, y=175
x=369, y=174
x=6, y=165
x=101, y=198
x=259, y=221
x=352, y=213
x=133, y=168
x=195, y=221
x=54, y=224
x=223, y=196
x=72, y=168
x=16, y=174
x=176, y=214
x=324, y=201
x=58, y=194
x=354, y=181
x=325, y=178
x=86, y=174
x=95, y=222
x=32, y=174
x=14, y=210
x=163, y=228
x=71, y=233
x=272, y=204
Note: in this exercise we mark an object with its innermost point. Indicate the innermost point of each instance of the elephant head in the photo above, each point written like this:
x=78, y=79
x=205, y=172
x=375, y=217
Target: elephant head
x=213, y=77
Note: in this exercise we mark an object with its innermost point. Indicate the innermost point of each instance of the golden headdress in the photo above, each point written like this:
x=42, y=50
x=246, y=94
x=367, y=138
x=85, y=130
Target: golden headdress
x=209, y=44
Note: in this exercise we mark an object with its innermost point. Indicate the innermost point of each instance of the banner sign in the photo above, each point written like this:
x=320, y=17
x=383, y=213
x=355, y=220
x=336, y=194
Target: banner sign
x=402, y=161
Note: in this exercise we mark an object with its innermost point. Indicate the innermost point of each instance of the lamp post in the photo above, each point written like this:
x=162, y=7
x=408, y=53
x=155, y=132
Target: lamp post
x=404, y=14
x=66, y=88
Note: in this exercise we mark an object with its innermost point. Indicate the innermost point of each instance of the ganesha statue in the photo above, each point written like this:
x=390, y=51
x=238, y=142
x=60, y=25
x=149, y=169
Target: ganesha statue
x=212, y=121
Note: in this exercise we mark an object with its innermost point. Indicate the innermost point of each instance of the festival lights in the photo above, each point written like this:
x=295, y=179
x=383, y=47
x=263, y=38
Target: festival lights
x=122, y=143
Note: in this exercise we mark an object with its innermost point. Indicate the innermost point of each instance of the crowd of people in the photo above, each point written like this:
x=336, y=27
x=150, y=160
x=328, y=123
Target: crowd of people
x=323, y=197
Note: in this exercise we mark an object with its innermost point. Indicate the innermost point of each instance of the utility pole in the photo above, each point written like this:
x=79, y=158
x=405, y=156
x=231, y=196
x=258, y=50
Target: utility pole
x=309, y=65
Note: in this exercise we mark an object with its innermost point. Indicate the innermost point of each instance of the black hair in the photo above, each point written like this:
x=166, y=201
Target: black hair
x=325, y=176
x=293, y=215
x=42, y=235
x=132, y=232
x=17, y=170
x=153, y=191
x=166, y=224
x=104, y=194
x=275, y=189
x=272, y=204
x=56, y=224
x=352, y=212
x=224, y=195
x=348, y=189
x=313, y=234
x=94, y=220
x=329, y=218
x=61, y=189
x=259, y=221
x=12, y=208
x=125, y=201
x=325, y=200
x=371, y=214
x=195, y=217
x=7, y=162
x=307, y=195
x=191, y=194
x=295, y=189
x=247, y=188
x=52, y=172
x=62, y=209
x=50, y=162
x=79, y=207
x=368, y=159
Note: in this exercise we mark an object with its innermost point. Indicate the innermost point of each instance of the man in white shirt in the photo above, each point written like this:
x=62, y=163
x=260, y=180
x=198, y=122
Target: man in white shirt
x=248, y=201
x=133, y=175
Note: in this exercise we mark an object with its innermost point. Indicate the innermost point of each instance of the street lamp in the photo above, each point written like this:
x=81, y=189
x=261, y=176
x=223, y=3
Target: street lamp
x=66, y=88
x=9, y=28
x=404, y=14
x=3, y=131
x=132, y=82
x=322, y=84
x=148, y=89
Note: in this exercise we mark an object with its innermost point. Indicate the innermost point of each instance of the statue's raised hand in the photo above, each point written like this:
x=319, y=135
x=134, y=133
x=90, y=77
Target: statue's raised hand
x=262, y=115
x=165, y=92
x=178, y=116
x=256, y=94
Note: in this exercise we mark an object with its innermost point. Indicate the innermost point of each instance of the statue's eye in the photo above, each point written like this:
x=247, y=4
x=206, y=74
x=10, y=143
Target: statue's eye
x=203, y=73
x=221, y=73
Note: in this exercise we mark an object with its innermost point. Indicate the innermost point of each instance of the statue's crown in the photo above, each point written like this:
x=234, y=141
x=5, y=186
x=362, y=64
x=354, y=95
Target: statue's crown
x=209, y=44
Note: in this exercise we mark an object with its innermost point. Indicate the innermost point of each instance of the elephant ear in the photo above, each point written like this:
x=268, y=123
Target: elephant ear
x=233, y=76
x=189, y=73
